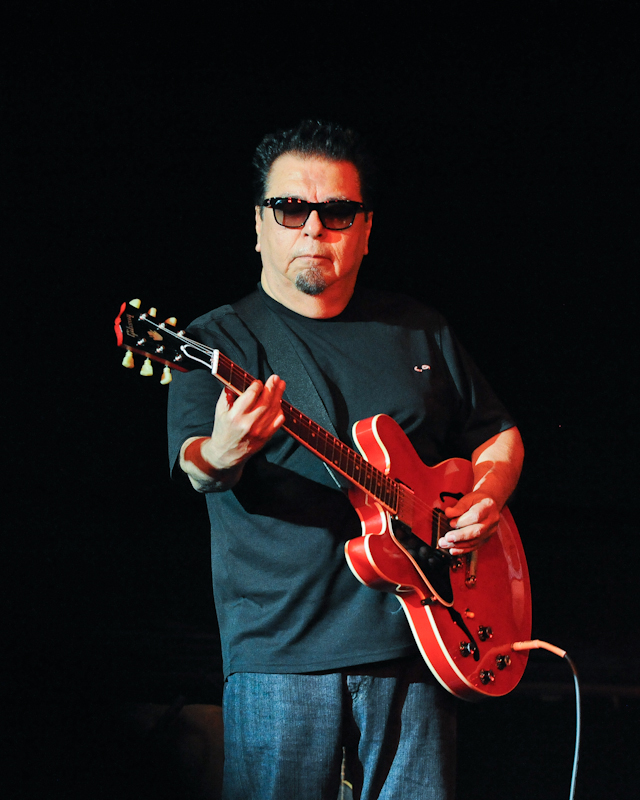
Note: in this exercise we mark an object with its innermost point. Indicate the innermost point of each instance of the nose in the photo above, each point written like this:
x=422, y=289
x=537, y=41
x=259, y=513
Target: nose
x=313, y=226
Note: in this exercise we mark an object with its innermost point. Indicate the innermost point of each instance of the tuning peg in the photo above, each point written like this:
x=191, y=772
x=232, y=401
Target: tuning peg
x=171, y=321
x=152, y=312
x=127, y=361
x=166, y=376
x=147, y=368
x=135, y=303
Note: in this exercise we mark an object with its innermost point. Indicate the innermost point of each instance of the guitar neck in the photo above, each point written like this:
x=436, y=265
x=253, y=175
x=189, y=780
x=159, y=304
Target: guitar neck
x=317, y=439
x=141, y=333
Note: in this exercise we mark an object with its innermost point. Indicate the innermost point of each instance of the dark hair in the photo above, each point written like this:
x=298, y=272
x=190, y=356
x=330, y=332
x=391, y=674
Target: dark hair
x=315, y=138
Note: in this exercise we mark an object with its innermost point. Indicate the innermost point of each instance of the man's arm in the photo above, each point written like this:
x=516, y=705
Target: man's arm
x=242, y=426
x=496, y=468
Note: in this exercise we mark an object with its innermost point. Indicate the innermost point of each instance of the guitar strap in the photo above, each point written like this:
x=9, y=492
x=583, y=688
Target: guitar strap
x=283, y=354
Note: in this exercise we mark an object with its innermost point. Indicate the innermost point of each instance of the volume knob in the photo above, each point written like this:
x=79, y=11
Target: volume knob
x=503, y=661
x=484, y=633
x=486, y=676
x=467, y=649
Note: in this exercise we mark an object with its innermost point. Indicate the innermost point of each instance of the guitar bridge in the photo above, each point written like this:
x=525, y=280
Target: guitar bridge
x=472, y=566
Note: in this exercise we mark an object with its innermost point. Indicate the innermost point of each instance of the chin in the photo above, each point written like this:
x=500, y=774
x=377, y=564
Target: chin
x=311, y=282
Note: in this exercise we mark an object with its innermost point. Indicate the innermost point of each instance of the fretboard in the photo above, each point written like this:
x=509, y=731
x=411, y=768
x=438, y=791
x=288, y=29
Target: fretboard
x=317, y=439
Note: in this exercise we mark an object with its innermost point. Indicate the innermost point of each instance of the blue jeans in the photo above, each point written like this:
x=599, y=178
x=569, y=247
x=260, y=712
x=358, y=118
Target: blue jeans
x=285, y=734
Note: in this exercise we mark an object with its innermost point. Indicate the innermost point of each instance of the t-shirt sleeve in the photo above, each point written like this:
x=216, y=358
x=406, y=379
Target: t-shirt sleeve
x=191, y=409
x=480, y=414
x=193, y=395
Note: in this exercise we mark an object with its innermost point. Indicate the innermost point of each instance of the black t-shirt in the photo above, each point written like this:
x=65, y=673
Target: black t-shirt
x=285, y=597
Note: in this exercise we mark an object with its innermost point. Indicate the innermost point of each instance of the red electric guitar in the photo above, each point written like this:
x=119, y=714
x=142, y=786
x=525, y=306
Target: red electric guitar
x=465, y=612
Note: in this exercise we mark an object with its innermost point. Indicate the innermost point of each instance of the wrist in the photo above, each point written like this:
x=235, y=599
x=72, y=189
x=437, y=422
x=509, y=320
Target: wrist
x=206, y=476
x=194, y=455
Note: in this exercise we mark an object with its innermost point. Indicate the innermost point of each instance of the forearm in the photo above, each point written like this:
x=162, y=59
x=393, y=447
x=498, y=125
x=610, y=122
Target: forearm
x=497, y=465
x=476, y=516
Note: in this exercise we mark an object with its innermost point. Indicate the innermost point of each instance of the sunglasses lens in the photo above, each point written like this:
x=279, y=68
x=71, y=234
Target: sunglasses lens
x=290, y=212
x=337, y=216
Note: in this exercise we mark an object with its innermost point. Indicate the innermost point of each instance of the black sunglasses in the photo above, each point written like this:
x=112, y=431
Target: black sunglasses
x=335, y=215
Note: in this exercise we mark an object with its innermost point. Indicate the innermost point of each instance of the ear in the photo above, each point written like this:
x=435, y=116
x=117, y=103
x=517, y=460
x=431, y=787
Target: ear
x=258, y=227
x=368, y=221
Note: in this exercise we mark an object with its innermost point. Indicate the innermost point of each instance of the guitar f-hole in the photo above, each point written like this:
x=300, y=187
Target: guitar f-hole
x=454, y=495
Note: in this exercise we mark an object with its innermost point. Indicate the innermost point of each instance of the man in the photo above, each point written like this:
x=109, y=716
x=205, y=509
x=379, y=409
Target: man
x=315, y=661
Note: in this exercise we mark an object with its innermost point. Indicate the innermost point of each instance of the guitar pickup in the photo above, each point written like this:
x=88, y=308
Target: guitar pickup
x=405, y=506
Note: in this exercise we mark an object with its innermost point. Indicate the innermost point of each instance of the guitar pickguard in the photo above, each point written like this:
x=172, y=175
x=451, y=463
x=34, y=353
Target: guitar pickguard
x=432, y=563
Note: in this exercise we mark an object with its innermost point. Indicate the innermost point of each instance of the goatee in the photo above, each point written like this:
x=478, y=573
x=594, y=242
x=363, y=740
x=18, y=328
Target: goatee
x=311, y=281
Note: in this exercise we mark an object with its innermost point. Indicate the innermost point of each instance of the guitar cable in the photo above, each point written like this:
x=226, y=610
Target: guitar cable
x=537, y=644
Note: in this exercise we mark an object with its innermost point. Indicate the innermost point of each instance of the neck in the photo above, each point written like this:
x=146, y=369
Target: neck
x=329, y=303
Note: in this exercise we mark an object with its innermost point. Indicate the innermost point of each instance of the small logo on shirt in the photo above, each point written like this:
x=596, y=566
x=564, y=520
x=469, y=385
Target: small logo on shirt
x=421, y=368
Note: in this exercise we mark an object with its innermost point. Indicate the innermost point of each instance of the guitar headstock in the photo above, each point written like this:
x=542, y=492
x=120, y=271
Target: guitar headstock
x=140, y=332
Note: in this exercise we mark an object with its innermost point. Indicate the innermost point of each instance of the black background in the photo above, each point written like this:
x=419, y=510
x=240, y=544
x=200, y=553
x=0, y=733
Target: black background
x=508, y=150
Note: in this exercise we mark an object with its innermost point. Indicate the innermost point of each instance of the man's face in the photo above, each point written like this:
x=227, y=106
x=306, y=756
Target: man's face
x=312, y=259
